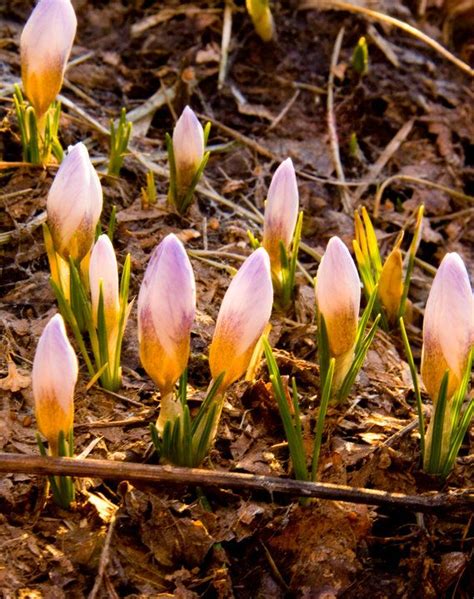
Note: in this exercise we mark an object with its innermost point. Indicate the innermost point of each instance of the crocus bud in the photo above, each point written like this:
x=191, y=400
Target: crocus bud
x=448, y=326
x=166, y=308
x=45, y=45
x=281, y=212
x=338, y=299
x=54, y=377
x=262, y=18
x=391, y=284
x=188, y=148
x=103, y=274
x=74, y=204
x=245, y=310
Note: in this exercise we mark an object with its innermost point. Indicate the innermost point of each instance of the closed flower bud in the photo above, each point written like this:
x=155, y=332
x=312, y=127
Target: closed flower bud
x=281, y=212
x=244, y=313
x=103, y=273
x=391, y=284
x=448, y=326
x=45, y=44
x=338, y=299
x=262, y=18
x=54, y=377
x=188, y=147
x=74, y=204
x=166, y=308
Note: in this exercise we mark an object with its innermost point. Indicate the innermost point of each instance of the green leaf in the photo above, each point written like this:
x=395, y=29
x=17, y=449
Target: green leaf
x=323, y=407
x=416, y=386
x=435, y=449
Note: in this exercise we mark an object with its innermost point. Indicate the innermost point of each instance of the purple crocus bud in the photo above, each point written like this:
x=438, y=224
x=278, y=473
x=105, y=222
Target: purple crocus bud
x=166, y=308
x=281, y=212
x=338, y=300
x=448, y=326
x=74, y=204
x=45, y=44
x=244, y=313
x=103, y=273
x=188, y=147
x=54, y=377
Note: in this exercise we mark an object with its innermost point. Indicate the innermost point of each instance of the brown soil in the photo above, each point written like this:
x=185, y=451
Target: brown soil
x=221, y=543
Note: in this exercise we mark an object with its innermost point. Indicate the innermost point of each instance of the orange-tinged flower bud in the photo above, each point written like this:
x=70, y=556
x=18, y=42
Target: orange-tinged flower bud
x=54, y=377
x=188, y=147
x=338, y=299
x=74, y=204
x=46, y=43
x=338, y=296
x=166, y=308
x=244, y=313
x=391, y=284
x=448, y=326
x=281, y=212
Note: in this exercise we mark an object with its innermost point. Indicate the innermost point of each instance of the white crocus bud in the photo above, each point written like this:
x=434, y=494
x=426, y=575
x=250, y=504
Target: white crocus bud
x=338, y=300
x=103, y=274
x=188, y=148
x=45, y=44
x=281, y=212
x=54, y=377
x=74, y=204
x=448, y=326
x=244, y=313
x=166, y=308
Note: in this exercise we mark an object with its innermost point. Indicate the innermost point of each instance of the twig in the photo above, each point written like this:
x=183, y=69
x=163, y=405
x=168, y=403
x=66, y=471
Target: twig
x=170, y=475
x=383, y=18
x=285, y=109
x=104, y=559
x=409, y=179
x=226, y=35
x=243, y=139
x=29, y=227
x=389, y=151
x=332, y=129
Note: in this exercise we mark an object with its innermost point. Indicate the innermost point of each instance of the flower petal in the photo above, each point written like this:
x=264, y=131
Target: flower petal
x=166, y=309
x=54, y=377
x=244, y=313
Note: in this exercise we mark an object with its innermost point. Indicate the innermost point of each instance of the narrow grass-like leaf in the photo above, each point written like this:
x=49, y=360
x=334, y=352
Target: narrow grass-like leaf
x=416, y=386
x=434, y=457
x=323, y=407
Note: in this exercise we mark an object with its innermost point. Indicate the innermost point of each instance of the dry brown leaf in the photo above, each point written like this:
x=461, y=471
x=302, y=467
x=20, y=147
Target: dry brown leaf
x=15, y=379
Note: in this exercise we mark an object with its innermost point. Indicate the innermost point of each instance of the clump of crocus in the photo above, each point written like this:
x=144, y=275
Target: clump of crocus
x=165, y=319
x=54, y=377
x=341, y=333
x=45, y=45
x=86, y=287
x=110, y=310
x=448, y=339
x=393, y=286
x=282, y=231
x=166, y=308
x=262, y=19
x=187, y=158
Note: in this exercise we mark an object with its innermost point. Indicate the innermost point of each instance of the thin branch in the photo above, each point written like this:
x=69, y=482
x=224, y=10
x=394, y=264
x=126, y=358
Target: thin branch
x=226, y=36
x=332, y=128
x=170, y=475
x=417, y=181
x=383, y=18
